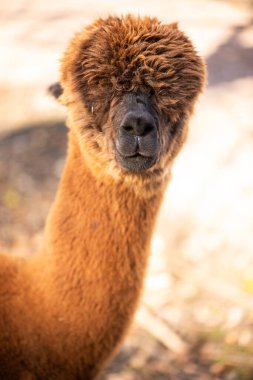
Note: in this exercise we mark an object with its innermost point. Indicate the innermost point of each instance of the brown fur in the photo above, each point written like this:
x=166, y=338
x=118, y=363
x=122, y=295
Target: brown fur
x=64, y=312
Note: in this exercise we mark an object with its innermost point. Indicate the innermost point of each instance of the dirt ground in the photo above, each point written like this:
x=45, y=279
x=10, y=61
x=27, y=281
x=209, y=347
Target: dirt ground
x=195, y=321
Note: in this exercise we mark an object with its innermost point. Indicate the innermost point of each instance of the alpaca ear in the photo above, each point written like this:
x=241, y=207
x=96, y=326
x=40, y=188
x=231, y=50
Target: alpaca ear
x=56, y=90
x=62, y=95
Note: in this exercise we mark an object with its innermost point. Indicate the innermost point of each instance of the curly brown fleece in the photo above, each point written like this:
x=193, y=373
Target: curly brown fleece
x=64, y=312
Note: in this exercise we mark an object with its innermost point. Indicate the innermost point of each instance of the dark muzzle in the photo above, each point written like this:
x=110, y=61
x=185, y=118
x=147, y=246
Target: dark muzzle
x=137, y=139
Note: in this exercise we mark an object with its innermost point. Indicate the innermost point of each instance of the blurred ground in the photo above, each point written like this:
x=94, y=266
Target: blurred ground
x=196, y=317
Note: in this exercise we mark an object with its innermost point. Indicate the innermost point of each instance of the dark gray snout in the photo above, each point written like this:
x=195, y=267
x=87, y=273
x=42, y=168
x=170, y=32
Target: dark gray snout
x=137, y=141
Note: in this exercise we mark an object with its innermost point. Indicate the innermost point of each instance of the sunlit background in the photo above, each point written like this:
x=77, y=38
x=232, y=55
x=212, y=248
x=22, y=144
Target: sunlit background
x=196, y=317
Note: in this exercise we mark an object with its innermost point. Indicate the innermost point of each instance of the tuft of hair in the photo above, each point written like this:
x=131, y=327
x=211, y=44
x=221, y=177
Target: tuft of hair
x=128, y=53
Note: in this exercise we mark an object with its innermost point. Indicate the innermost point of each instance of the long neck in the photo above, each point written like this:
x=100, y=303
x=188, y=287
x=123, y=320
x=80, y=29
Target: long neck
x=101, y=228
x=96, y=250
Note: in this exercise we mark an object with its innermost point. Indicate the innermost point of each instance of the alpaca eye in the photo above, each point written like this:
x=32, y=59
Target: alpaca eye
x=166, y=119
x=151, y=92
x=175, y=127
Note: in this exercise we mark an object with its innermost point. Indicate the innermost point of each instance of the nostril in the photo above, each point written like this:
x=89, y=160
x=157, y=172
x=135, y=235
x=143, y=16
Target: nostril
x=138, y=129
x=128, y=128
x=148, y=128
x=138, y=124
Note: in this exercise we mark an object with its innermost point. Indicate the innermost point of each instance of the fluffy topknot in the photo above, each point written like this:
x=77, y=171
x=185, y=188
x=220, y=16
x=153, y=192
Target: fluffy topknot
x=120, y=54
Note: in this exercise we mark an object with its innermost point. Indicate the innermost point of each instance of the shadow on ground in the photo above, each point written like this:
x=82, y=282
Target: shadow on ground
x=231, y=60
x=31, y=161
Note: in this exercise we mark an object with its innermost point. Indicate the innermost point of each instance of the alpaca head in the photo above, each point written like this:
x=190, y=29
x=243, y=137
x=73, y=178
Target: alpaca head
x=130, y=85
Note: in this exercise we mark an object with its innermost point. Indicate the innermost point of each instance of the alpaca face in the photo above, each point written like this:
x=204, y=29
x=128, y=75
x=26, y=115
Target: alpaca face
x=130, y=85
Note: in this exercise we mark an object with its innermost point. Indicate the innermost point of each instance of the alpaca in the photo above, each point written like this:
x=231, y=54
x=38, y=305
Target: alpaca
x=130, y=85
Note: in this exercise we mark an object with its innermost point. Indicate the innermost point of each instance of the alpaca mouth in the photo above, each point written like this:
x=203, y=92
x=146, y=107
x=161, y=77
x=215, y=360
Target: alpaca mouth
x=136, y=163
